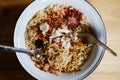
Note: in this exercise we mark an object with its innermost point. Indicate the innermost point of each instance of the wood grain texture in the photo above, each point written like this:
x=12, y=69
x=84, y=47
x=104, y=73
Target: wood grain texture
x=109, y=68
x=10, y=68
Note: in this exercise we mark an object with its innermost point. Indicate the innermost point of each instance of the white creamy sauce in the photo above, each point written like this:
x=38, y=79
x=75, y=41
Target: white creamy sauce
x=63, y=30
x=55, y=33
x=44, y=27
x=66, y=43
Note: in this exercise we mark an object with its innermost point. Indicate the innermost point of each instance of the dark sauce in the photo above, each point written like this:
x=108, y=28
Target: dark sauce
x=39, y=43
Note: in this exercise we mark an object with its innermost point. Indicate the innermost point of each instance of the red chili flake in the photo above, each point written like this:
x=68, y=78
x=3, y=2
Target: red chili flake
x=58, y=22
x=73, y=17
x=39, y=32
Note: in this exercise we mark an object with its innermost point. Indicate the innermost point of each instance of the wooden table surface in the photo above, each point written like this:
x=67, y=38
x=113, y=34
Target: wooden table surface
x=109, y=68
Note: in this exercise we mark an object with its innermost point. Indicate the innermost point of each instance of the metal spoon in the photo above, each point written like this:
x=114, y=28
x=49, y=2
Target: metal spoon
x=92, y=39
x=35, y=52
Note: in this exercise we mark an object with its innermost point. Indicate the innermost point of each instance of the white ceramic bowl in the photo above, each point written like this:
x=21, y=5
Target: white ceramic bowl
x=93, y=18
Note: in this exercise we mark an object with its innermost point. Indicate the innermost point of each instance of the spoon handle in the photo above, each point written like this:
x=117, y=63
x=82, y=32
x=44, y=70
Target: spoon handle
x=15, y=49
x=107, y=48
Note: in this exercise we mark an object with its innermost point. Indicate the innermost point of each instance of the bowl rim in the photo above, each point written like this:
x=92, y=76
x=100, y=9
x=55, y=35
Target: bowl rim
x=102, y=53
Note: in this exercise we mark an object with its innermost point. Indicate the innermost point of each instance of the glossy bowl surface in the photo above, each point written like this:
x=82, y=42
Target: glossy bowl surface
x=93, y=18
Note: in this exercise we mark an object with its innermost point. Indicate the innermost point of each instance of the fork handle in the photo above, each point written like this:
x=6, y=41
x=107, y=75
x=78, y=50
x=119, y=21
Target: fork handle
x=15, y=49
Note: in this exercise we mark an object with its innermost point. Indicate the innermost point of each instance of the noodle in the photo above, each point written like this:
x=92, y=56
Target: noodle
x=54, y=30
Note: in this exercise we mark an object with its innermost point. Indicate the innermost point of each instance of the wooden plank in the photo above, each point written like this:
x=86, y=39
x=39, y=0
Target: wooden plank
x=109, y=66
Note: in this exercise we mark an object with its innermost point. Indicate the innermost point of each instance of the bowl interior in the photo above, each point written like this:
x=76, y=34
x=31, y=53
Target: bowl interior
x=93, y=18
